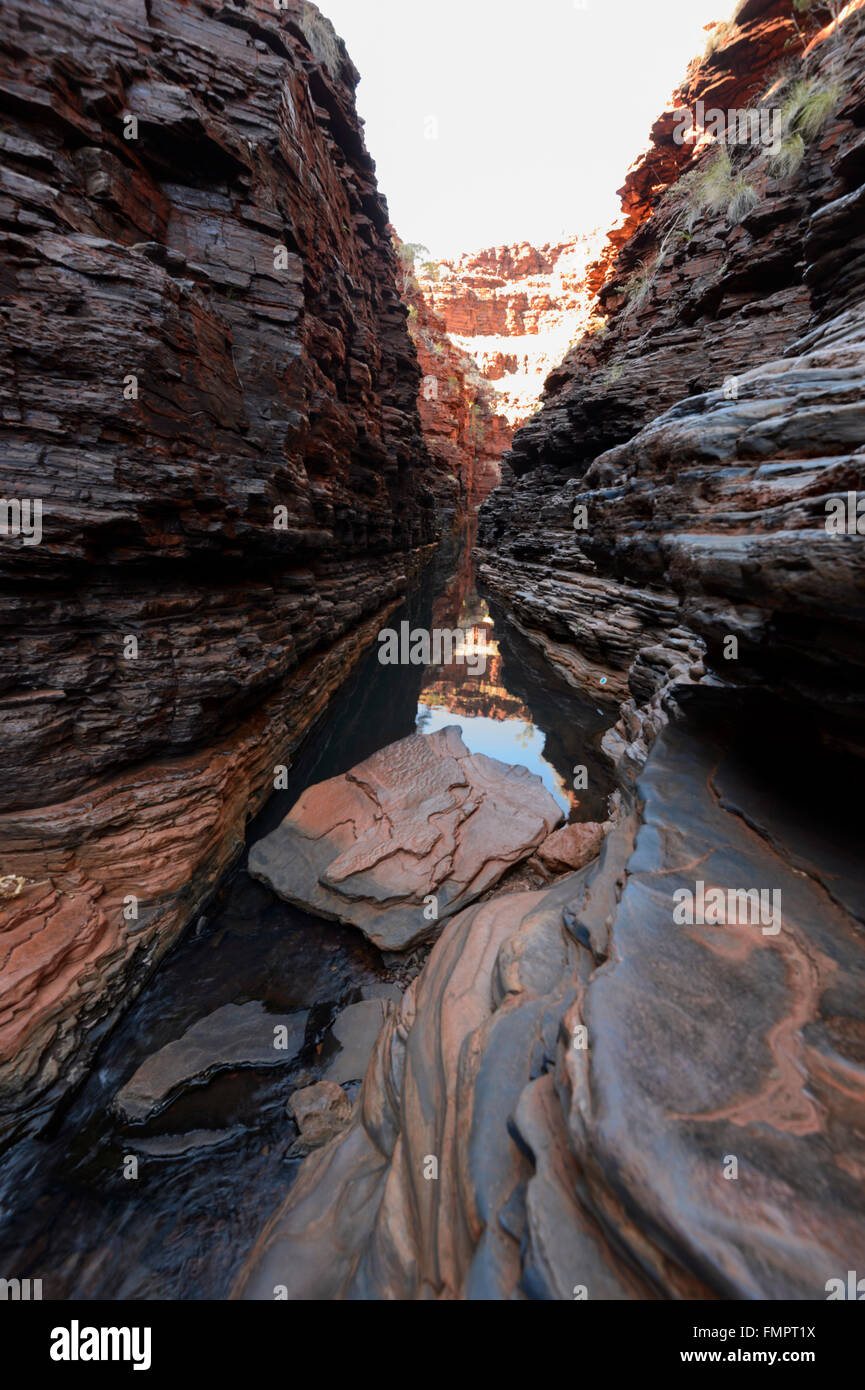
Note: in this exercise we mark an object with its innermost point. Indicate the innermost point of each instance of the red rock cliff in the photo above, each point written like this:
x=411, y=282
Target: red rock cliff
x=463, y=429
x=514, y=310
x=209, y=387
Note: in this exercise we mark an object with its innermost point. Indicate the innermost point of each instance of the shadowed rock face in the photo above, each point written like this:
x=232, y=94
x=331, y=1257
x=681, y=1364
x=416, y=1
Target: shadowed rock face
x=710, y=521
x=422, y=817
x=210, y=388
x=234, y=1036
x=607, y=1089
x=583, y=1068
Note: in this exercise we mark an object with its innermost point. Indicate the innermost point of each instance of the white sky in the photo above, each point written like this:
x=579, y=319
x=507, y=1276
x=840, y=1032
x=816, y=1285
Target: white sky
x=541, y=106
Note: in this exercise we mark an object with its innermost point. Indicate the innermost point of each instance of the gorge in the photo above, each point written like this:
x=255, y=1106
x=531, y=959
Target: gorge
x=324, y=978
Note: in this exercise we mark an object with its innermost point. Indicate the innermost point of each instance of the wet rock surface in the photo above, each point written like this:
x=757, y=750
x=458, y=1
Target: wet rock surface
x=235, y=1036
x=423, y=818
x=584, y=1068
x=667, y=526
x=646, y=1081
x=355, y=1029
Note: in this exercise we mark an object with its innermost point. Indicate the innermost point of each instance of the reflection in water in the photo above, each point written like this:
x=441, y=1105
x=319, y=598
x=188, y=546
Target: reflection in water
x=67, y=1214
x=493, y=718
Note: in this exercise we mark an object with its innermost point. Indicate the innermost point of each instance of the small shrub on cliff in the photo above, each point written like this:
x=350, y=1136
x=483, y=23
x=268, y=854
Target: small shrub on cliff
x=809, y=104
x=638, y=285
x=788, y=157
x=821, y=10
x=715, y=187
x=717, y=37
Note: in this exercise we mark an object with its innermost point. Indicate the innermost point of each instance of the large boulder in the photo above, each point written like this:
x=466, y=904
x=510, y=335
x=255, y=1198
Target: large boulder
x=421, y=819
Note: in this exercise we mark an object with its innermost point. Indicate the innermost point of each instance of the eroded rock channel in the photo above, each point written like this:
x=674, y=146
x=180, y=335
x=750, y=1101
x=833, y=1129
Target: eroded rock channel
x=527, y=966
x=190, y=1082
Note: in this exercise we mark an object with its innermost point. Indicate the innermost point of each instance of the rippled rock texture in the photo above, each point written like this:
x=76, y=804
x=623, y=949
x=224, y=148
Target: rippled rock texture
x=581, y=1097
x=648, y=1081
x=209, y=386
x=407, y=838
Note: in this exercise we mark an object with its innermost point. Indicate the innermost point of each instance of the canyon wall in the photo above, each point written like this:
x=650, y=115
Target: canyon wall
x=463, y=429
x=210, y=391
x=588, y=1094
x=514, y=310
x=695, y=441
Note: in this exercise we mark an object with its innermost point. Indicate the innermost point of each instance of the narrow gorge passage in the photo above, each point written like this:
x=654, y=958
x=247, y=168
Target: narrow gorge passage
x=432, y=602
x=215, y=1150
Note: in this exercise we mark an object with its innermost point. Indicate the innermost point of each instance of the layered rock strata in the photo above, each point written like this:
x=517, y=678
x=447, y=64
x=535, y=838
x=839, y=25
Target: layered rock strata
x=407, y=838
x=514, y=311
x=209, y=393
x=648, y=1081
x=581, y=1098
x=628, y=556
x=464, y=430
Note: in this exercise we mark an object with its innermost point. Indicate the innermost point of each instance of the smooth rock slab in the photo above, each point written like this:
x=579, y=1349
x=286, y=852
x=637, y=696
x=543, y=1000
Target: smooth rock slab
x=420, y=817
x=599, y=1158
x=234, y=1036
x=192, y=1142
x=356, y=1030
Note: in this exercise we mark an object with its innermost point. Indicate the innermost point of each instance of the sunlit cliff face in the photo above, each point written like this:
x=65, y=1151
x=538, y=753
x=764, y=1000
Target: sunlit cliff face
x=515, y=310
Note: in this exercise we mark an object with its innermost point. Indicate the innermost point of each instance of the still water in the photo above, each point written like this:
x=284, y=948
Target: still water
x=182, y=1226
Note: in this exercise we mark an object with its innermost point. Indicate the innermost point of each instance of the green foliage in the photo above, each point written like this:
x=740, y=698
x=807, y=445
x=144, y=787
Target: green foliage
x=614, y=374
x=818, y=9
x=638, y=286
x=432, y=270
x=809, y=104
x=714, y=187
x=787, y=158
x=410, y=252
